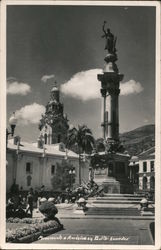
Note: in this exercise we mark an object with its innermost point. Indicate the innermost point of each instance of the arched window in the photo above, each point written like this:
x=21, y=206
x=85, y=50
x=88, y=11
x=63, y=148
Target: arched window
x=28, y=168
x=144, y=183
x=152, y=183
x=45, y=138
x=29, y=178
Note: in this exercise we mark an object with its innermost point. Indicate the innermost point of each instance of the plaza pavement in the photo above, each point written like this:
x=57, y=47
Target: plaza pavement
x=82, y=229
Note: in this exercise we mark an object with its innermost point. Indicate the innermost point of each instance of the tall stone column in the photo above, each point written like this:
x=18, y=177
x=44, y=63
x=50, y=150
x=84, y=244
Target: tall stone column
x=104, y=123
x=110, y=86
x=110, y=83
x=113, y=122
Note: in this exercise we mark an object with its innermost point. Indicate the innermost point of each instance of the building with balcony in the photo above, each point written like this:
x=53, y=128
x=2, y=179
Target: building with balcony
x=142, y=171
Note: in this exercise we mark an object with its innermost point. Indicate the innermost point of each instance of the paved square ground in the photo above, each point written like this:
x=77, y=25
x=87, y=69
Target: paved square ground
x=102, y=231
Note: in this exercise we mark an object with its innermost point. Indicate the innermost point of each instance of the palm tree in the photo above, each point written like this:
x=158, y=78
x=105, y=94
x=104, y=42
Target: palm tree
x=83, y=139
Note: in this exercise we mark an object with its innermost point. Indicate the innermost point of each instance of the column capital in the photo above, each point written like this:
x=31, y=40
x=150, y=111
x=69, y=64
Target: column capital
x=103, y=92
x=110, y=77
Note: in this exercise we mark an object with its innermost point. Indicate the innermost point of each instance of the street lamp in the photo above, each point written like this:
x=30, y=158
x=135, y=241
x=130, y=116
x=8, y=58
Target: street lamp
x=12, y=123
x=71, y=173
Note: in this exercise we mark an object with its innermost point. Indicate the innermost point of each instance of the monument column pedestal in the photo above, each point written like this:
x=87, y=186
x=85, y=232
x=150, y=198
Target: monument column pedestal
x=112, y=160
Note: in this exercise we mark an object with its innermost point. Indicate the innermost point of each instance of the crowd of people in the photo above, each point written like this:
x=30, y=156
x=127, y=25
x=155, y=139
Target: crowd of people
x=21, y=204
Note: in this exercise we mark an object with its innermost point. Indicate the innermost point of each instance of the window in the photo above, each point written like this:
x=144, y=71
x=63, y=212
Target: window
x=53, y=169
x=28, y=168
x=152, y=166
x=144, y=183
x=144, y=166
x=152, y=183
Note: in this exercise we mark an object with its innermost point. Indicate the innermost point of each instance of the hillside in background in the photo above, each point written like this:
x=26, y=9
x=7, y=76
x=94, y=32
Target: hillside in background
x=134, y=142
x=139, y=139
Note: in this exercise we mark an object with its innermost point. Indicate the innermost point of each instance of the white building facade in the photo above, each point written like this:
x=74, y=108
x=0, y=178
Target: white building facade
x=147, y=170
x=29, y=166
x=35, y=164
x=142, y=171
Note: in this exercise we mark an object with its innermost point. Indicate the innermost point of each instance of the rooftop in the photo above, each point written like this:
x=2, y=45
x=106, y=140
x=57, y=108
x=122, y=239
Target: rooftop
x=54, y=149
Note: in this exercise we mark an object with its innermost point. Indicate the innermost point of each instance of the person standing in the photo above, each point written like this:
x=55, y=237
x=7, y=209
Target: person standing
x=29, y=203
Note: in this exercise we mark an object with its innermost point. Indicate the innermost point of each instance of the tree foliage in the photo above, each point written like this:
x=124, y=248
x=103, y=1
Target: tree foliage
x=62, y=179
x=82, y=138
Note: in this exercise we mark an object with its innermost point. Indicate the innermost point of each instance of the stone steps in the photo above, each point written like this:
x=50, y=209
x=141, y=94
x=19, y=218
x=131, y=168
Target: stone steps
x=113, y=205
x=116, y=199
x=116, y=205
x=119, y=198
x=122, y=195
x=115, y=202
x=113, y=211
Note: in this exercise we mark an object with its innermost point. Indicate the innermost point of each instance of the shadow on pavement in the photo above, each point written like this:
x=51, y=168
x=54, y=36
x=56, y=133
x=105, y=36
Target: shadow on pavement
x=152, y=230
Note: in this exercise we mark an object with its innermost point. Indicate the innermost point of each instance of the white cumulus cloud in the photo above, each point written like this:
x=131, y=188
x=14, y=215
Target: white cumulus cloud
x=45, y=78
x=130, y=87
x=17, y=88
x=85, y=86
x=30, y=114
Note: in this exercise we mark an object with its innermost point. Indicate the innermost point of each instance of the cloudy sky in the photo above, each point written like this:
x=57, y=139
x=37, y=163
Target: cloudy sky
x=63, y=43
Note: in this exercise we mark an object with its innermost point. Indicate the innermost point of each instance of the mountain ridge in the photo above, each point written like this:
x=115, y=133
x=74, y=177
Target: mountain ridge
x=139, y=139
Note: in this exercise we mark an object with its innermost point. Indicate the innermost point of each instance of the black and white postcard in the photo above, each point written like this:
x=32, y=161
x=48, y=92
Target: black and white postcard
x=80, y=125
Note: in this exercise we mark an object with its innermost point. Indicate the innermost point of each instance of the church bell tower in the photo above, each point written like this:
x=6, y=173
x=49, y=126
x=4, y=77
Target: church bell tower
x=54, y=124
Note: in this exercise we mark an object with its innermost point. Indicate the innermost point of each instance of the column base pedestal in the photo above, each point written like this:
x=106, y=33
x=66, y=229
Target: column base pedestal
x=111, y=186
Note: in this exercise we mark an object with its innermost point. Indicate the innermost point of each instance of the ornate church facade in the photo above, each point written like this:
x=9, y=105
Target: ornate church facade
x=37, y=164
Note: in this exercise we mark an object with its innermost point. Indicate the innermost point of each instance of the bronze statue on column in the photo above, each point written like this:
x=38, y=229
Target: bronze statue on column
x=110, y=40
